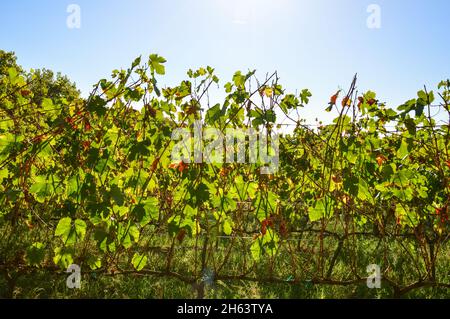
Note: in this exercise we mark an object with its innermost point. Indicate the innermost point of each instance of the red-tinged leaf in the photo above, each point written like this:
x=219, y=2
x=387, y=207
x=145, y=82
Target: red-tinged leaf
x=69, y=120
x=29, y=224
x=346, y=101
x=86, y=145
x=25, y=93
x=223, y=172
x=380, y=160
x=263, y=229
x=182, y=166
x=360, y=102
x=336, y=179
x=266, y=223
x=87, y=125
x=155, y=164
x=38, y=139
x=173, y=165
x=283, y=229
x=181, y=234
x=334, y=98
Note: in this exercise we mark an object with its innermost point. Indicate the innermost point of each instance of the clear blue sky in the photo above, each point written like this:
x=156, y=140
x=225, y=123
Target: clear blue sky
x=315, y=44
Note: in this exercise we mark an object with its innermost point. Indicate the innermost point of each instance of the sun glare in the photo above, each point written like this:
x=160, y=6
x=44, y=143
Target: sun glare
x=250, y=11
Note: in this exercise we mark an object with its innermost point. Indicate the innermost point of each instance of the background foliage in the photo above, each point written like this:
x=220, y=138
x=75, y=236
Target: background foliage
x=91, y=181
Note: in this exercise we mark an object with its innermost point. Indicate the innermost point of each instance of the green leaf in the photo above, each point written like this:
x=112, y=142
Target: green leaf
x=139, y=261
x=402, y=152
x=174, y=225
x=3, y=173
x=317, y=211
x=363, y=191
x=305, y=95
x=80, y=228
x=47, y=104
x=94, y=262
x=227, y=227
x=35, y=254
x=64, y=227
x=72, y=185
x=134, y=232
x=184, y=90
x=290, y=101
x=42, y=187
x=146, y=211
x=239, y=79
x=214, y=114
x=228, y=87
x=117, y=195
x=101, y=237
x=136, y=62
x=134, y=95
x=63, y=257
x=189, y=212
x=256, y=250
x=200, y=194
x=139, y=148
x=407, y=106
x=13, y=74
x=97, y=106
x=68, y=233
x=156, y=65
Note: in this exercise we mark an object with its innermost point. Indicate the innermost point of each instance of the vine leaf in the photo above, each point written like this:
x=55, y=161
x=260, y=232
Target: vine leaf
x=139, y=261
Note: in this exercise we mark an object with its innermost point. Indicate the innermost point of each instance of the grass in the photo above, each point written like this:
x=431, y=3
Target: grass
x=302, y=265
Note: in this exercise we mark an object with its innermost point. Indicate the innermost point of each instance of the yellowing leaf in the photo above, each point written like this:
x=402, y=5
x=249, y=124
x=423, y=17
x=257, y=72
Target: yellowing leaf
x=268, y=91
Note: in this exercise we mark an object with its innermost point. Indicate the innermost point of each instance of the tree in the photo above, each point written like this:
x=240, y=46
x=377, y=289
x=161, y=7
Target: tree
x=8, y=60
x=42, y=82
